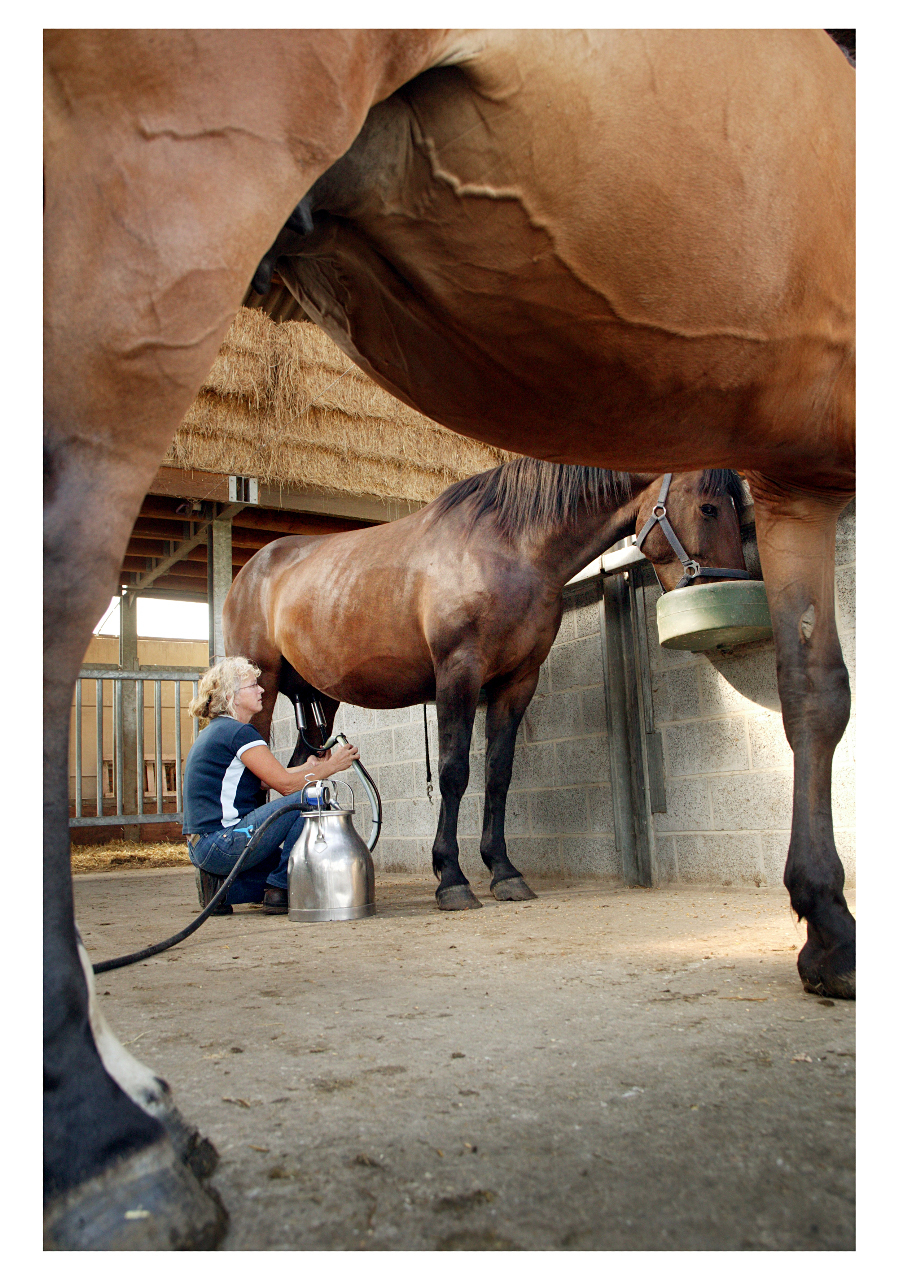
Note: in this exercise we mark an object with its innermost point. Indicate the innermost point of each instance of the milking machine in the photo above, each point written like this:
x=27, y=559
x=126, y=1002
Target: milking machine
x=330, y=876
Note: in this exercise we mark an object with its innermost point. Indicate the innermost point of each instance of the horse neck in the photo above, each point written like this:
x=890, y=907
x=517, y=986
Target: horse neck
x=565, y=549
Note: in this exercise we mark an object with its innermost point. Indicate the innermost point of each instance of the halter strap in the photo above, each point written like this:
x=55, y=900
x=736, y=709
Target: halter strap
x=693, y=571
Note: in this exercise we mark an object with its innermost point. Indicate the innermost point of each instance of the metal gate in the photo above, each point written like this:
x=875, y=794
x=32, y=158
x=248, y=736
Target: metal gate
x=135, y=738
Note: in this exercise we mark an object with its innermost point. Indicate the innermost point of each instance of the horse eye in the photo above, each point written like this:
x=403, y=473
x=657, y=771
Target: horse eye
x=708, y=510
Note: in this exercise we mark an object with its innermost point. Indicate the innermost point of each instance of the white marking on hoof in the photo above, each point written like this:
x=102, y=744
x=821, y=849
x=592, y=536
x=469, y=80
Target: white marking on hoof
x=142, y=1086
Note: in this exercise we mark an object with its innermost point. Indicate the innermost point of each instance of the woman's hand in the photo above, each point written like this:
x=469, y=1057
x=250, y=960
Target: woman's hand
x=333, y=761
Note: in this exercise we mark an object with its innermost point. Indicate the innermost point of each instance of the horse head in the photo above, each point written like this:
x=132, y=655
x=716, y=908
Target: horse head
x=688, y=527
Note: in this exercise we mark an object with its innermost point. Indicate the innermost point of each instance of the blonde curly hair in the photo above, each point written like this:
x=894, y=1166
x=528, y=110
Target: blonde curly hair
x=218, y=686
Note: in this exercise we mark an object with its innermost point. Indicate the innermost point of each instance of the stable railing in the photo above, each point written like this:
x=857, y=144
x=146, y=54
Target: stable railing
x=128, y=774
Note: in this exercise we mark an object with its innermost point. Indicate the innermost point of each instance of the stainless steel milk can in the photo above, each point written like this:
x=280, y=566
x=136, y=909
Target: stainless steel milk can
x=330, y=873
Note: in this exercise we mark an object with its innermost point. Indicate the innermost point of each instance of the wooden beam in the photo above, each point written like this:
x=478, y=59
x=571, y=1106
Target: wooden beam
x=139, y=545
x=156, y=506
x=180, y=552
x=172, y=587
x=211, y=486
x=168, y=530
x=186, y=568
x=207, y=486
x=156, y=550
x=287, y=522
x=180, y=594
x=196, y=559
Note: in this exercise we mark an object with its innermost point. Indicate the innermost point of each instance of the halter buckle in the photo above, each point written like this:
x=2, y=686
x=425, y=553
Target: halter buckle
x=659, y=510
x=691, y=569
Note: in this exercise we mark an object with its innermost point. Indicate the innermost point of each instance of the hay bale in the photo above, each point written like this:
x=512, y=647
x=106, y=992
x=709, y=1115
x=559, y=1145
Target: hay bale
x=282, y=403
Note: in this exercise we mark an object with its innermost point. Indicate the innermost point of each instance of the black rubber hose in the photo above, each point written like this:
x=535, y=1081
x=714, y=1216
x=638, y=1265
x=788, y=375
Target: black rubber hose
x=120, y=961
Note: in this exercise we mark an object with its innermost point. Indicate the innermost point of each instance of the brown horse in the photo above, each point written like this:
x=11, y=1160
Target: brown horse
x=464, y=595
x=628, y=249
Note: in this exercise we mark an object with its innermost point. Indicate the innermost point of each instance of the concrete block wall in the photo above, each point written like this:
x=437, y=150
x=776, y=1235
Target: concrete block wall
x=728, y=768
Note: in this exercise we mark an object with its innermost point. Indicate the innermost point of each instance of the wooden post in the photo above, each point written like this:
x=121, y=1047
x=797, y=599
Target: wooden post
x=132, y=775
x=218, y=583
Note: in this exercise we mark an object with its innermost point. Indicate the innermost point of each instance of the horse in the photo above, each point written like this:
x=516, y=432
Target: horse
x=463, y=595
x=625, y=249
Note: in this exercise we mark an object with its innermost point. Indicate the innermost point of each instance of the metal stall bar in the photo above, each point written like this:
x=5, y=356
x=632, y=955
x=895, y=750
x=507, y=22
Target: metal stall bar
x=160, y=768
x=131, y=749
x=139, y=745
x=178, y=799
x=99, y=722
x=78, y=782
x=118, y=737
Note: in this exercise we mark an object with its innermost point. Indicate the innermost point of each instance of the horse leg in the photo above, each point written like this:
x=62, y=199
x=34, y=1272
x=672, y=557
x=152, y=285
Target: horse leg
x=148, y=1090
x=506, y=708
x=113, y=1179
x=457, y=697
x=145, y=267
x=796, y=539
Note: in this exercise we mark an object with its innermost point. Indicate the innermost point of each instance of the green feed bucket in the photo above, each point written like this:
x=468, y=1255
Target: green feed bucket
x=715, y=615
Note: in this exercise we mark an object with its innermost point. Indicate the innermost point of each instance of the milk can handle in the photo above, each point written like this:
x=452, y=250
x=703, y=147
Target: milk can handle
x=331, y=782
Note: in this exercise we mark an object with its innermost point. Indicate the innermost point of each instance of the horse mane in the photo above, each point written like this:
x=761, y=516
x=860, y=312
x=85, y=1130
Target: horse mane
x=528, y=495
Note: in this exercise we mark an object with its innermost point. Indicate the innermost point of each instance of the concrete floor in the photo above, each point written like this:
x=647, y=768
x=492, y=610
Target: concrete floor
x=600, y=1069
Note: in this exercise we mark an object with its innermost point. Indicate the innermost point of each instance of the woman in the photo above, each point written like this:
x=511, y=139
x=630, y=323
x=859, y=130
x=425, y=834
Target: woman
x=225, y=773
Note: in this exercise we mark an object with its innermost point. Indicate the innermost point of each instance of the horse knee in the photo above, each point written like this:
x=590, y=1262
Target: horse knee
x=816, y=706
x=453, y=777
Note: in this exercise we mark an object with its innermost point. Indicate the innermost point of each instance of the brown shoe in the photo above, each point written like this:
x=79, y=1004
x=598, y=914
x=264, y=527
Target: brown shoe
x=208, y=886
x=274, y=903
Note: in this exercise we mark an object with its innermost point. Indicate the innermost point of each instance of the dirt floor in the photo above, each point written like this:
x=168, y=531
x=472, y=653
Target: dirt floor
x=600, y=1069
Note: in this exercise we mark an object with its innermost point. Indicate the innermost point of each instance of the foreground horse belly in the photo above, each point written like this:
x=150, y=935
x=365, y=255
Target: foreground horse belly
x=624, y=264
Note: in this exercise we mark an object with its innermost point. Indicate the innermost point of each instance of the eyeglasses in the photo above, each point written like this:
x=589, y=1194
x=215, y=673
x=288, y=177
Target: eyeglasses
x=254, y=685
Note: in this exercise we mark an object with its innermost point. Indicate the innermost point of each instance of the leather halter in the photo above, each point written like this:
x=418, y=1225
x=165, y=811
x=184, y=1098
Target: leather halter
x=693, y=571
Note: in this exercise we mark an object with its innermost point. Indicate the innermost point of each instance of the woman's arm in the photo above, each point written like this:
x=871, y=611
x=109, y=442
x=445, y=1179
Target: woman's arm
x=272, y=773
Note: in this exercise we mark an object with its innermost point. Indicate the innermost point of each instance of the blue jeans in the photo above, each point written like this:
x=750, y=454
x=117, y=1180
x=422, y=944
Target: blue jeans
x=218, y=851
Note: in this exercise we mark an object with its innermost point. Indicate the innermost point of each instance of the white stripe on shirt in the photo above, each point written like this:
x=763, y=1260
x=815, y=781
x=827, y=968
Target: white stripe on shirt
x=230, y=783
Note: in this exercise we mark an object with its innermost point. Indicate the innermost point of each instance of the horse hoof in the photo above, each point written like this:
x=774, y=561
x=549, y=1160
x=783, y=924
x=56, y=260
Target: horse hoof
x=457, y=897
x=197, y=1152
x=514, y=890
x=147, y=1201
x=828, y=973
